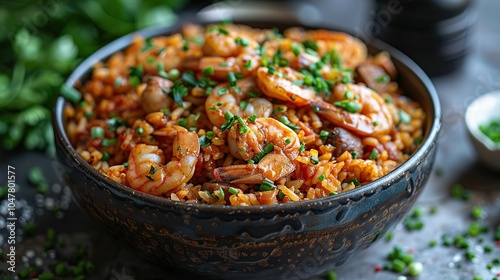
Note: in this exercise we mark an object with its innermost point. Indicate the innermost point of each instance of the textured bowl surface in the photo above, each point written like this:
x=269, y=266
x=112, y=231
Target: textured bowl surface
x=288, y=241
x=480, y=112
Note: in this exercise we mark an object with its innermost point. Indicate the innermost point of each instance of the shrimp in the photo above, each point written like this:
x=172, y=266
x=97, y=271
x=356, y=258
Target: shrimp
x=147, y=171
x=153, y=97
x=352, y=50
x=225, y=98
x=372, y=118
x=224, y=42
x=276, y=164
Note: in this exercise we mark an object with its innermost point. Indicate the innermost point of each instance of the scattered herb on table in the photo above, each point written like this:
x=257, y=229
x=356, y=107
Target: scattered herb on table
x=492, y=130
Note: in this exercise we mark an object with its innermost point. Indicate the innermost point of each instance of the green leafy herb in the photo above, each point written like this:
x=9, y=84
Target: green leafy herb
x=492, y=130
x=208, y=71
x=177, y=92
x=189, y=78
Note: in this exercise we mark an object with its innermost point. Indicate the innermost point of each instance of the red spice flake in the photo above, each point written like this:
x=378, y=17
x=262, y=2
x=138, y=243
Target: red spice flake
x=411, y=251
x=378, y=268
x=498, y=274
x=497, y=243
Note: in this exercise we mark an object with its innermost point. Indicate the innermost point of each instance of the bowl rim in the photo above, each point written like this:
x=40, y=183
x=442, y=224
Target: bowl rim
x=474, y=129
x=341, y=198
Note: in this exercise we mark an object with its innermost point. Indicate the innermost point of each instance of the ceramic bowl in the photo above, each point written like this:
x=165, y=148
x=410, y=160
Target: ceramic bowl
x=286, y=241
x=481, y=111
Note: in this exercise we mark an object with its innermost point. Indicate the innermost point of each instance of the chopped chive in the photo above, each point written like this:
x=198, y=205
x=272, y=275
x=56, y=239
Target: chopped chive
x=302, y=147
x=354, y=154
x=233, y=190
x=321, y=177
x=373, y=154
x=404, y=117
x=284, y=120
x=349, y=106
x=231, y=78
x=228, y=115
x=242, y=41
x=208, y=71
x=105, y=156
x=323, y=134
x=97, y=132
x=244, y=127
x=248, y=64
x=281, y=195
x=382, y=79
x=174, y=74
x=252, y=118
x=108, y=142
x=152, y=170
x=244, y=104
x=267, y=149
x=267, y=185
x=354, y=181
x=222, y=91
x=221, y=192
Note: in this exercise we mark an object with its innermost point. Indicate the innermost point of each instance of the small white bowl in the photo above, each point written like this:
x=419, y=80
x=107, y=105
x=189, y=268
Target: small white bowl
x=480, y=112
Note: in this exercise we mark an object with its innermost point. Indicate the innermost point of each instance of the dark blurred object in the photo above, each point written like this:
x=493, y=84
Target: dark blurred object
x=437, y=34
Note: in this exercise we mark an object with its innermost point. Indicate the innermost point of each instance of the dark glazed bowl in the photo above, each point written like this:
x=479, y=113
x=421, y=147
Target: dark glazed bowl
x=287, y=241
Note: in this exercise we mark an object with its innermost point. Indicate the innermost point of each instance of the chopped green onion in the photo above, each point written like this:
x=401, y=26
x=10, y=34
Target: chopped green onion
x=477, y=212
x=152, y=170
x=415, y=269
x=373, y=154
x=288, y=141
x=233, y=190
x=382, y=79
x=148, y=44
x=389, y=236
x=404, y=117
x=284, y=120
x=459, y=192
x=242, y=41
x=321, y=177
x=413, y=224
x=302, y=147
x=140, y=130
x=491, y=130
x=244, y=104
x=228, y=115
x=105, y=156
x=248, y=64
x=314, y=160
x=296, y=49
x=475, y=229
x=333, y=193
x=398, y=265
x=222, y=91
x=323, y=134
x=231, y=78
x=182, y=122
x=311, y=45
x=271, y=69
x=281, y=195
x=208, y=71
x=108, y=142
x=125, y=164
x=354, y=154
x=150, y=59
x=315, y=109
x=267, y=185
x=388, y=100
x=174, y=74
x=330, y=275
x=432, y=243
x=244, y=128
x=96, y=132
x=348, y=94
x=267, y=149
x=470, y=255
x=354, y=181
x=349, y=106
x=221, y=192
x=252, y=118
x=210, y=135
x=71, y=94
x=228, y=124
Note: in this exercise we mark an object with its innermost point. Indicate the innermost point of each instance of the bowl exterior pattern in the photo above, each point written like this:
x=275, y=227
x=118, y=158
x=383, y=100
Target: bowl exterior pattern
x=236, y=245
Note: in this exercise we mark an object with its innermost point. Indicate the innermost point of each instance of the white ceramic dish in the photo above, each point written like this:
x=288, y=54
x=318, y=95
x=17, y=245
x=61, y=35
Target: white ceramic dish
x=482, y=111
